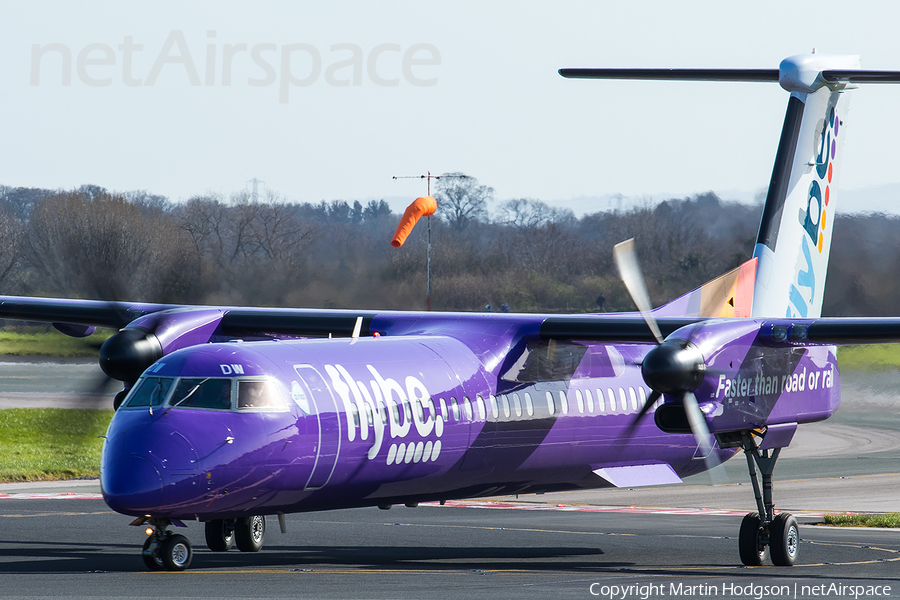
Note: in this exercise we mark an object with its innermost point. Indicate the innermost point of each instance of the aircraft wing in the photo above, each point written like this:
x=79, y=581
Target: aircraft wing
x=621, y=327
x=75, y=312
x=839, y=330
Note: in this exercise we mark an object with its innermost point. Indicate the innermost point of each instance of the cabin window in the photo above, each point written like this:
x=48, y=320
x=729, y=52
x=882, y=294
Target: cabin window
x=260, y=394
x=370, y=418
x=564, y=402
x=431, y=410
x=623, y=404
x=579, y=398
x=444, y=415
x=612, y=399
x=601, y=402
x=643, y=396
x=420, y=410
x=479, y=402
x=590, y=400
x=517, y=405
x=467, y=408
x=495, y=408
x=355, y=411
x=151, y=391
x=395, y=413
x=202, y=393
x=550, y=405
x=407, y=411
x=529, y=405
x=634, y=405
x=454, y=408
x=505, y=400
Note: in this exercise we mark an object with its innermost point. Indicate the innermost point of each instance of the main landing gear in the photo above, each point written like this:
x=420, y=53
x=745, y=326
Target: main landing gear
x=248, y=532
x=764, y=532
x=164, y=550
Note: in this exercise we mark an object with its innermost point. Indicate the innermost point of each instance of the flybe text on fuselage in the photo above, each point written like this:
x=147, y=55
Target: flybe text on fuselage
x=405, y=412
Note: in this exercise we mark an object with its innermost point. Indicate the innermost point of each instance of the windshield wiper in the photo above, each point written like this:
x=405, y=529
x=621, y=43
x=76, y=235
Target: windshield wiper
x=188, y=395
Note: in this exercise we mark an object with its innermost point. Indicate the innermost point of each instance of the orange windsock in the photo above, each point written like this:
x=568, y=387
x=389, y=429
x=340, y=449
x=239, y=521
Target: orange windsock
x=422, y=207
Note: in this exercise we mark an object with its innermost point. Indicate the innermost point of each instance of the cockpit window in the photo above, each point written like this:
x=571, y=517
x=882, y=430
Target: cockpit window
x=151, y=391
x=202, y=393
x=259, y=394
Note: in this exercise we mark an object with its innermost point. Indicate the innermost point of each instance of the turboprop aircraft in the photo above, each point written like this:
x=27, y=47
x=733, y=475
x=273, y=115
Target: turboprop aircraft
x=229, y=415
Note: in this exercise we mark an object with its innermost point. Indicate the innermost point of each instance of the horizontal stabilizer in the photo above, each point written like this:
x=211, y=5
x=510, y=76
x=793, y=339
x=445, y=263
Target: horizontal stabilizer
x=860, y=76
x=762, y=75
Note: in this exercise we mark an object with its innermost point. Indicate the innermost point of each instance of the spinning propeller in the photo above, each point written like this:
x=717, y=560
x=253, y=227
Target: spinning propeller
x=675, y=367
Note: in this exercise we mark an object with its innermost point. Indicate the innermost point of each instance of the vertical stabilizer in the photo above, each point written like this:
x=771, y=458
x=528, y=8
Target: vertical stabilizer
x=791, y=254
x=795, y=232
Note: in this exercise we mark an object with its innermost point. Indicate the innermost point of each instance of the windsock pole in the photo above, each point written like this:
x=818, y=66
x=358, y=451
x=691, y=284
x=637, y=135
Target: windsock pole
x=428, y=256
x=422, y=207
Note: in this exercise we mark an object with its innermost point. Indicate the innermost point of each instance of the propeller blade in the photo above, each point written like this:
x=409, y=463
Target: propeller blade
x=654, y=396
x=701, y=433
x=630, y=272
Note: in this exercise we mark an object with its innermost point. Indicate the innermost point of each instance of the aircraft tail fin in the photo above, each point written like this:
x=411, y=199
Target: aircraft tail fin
x=795, y=231
x=791, y=254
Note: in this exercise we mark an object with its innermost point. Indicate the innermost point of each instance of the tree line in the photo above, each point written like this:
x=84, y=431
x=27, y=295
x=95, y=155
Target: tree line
x=211, y=249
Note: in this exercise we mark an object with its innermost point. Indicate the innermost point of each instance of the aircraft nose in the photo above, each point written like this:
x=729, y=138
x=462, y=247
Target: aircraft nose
x=131, y=485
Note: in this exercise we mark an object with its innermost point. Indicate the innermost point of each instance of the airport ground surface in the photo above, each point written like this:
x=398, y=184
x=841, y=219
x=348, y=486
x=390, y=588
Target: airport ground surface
x=530, y=547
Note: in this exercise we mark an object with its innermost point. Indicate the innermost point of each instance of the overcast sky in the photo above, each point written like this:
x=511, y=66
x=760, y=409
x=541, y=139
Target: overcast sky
x=329, y=100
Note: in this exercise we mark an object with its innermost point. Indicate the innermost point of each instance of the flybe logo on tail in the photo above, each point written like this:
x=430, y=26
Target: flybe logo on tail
x=802, y=293
x=383, y=403
x=813, y=218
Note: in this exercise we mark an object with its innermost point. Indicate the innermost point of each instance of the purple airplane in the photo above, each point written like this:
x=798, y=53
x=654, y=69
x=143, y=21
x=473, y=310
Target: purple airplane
x=232, y=414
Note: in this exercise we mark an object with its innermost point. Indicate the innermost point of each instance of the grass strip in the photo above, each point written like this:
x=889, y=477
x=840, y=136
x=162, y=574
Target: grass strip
x=885, y=520
x=49, y=343
x=869, y=358
x=40, y=444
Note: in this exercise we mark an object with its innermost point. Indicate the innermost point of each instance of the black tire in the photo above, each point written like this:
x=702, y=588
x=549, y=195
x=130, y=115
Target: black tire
x=175, y=552
x=220, y=535
x=785, y=540
x=250, y=533
x=151, y=561
x=753, y=551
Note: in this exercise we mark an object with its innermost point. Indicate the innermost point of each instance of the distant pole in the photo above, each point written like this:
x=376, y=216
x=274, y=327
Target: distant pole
x=428, y=177
x=254, y=196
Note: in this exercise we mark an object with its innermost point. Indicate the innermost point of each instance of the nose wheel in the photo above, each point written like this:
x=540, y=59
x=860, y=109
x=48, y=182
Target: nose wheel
x=164, y=550
x=764, y=533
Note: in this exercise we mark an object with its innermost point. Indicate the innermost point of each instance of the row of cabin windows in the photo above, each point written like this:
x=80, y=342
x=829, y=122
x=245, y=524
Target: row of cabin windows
x=509, y=405
x=585, y=401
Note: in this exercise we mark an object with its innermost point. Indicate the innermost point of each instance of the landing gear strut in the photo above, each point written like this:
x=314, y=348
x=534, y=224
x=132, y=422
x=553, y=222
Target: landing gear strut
x=763, y=532
x=164, y=550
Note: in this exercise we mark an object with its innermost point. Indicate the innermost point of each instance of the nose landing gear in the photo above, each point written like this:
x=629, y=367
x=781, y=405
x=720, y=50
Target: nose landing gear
x=164, y=550
x=763, y=532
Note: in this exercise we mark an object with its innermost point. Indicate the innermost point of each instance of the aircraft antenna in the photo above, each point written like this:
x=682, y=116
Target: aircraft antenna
x=428, y=177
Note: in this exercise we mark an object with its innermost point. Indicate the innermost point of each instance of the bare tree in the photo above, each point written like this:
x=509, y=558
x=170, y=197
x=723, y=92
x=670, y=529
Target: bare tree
x=526, y=213
x=461, y=200
x=102, y=246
